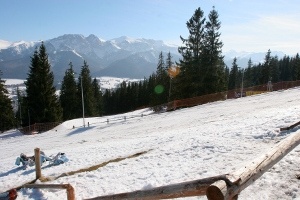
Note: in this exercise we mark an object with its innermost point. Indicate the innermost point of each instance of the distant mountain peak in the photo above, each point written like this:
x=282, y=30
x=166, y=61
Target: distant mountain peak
x=93, y=39
x=124, y=39
x=74, y=36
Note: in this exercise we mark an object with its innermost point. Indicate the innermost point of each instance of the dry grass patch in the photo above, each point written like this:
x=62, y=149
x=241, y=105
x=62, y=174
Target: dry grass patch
x=92, y=168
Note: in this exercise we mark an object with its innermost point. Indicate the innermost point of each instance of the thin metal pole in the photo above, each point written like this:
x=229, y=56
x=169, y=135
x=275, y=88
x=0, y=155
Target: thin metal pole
x=82, y=102
x=242, y=83
x=29, y=120
x=170, y=88
x=20, y=112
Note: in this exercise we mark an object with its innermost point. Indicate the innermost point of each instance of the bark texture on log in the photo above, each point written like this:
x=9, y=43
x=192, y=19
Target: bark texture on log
x=250, y=173
x=185, y=189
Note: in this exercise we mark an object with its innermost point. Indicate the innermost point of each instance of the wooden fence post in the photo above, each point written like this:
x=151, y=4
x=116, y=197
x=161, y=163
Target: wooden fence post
x=70, y=192
x=250, y=173
x=38, y=171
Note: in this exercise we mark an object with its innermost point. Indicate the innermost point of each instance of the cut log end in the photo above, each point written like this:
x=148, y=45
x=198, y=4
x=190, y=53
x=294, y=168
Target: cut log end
x=214, y=193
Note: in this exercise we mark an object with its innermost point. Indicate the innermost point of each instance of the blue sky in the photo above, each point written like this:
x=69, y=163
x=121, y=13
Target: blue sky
x=247, y=25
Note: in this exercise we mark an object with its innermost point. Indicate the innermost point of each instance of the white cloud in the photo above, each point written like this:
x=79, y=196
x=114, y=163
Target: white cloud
x=280, y=32
x=4, y=44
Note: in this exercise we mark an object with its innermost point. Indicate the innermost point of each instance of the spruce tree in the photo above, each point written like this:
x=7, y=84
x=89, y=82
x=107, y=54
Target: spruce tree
x=160, y=92
x=189, y=82
x=285, y=68
x=296, y=67
x=213, y=66
x=107, y=102
x=43, y=104
x=19, y=113
x=68, y=94
x=7, y=117
x=169, y=65
x=98, y=97
x=161, y=67
x=169, y=62
x=227, y=71
x=249, y=74
x=233, y=76
x=85, y=82
x=266, y=68
x=274, y=69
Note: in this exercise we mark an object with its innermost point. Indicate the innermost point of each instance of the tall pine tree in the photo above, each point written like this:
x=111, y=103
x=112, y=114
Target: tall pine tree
x=266, y=68
x=189, y=82
x=233, y=76
x=98, y=97
x=42, y=102
x=160, y=92
x=213, y=66
x=169, y=65
x=7, y=117
x=296, y=67
x=68, y=94
x=85, y=82
x=19, y=113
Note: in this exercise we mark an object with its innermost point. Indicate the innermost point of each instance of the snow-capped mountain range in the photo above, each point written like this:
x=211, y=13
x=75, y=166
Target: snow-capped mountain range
x=121, y=57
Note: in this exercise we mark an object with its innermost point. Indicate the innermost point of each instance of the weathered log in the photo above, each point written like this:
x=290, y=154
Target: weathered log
x=185, y=189
x=248, y=174
x=290, y=127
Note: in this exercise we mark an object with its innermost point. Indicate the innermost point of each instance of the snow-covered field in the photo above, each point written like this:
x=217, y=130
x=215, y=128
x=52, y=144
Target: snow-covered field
x=182, y=145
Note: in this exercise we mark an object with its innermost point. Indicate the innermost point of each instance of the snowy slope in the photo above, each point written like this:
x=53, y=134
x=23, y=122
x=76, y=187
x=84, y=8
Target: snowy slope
x=183, y=145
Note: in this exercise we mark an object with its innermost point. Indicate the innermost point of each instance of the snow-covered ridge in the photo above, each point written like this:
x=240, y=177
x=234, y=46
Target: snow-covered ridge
x=13, y=82
x=253, y=55
x=18, y=46
x=109, y=83
x=105, y=82
x=80, y=39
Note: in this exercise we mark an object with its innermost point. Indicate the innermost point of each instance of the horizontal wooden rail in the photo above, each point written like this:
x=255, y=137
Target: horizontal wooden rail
x=185, y=189
x=68, y=187
x=250, y=173
x=290, y=127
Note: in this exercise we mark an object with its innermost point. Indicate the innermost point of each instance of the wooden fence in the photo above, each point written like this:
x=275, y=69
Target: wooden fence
x=230, y=94
x=38, y=128
x=223, y=187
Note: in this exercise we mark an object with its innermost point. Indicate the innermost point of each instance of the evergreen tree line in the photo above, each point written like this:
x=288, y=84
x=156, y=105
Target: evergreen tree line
x=272, y=69
x=202, y=70
x=152, y=91
x=81, y=98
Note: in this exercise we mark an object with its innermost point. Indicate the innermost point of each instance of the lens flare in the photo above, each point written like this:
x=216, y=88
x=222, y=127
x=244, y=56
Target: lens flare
x=173, y=71
x=159, y=89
